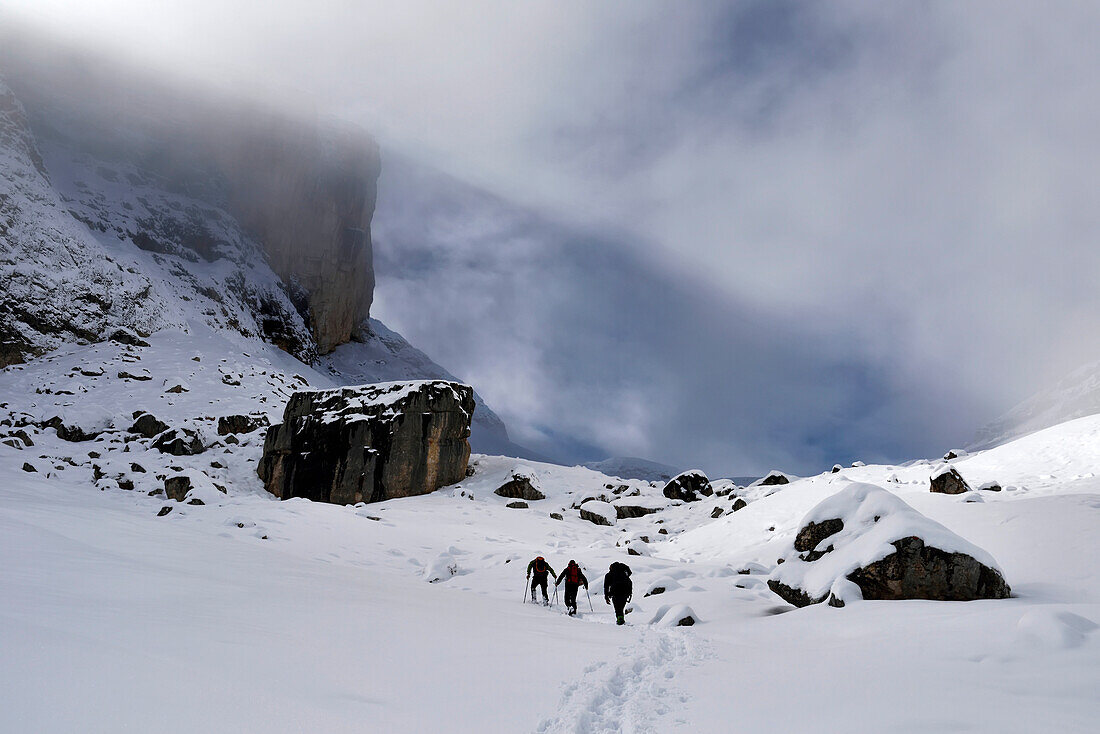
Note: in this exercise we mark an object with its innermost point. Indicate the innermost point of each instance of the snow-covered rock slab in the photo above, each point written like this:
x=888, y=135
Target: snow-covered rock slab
x=369, y=443
x=866, y=543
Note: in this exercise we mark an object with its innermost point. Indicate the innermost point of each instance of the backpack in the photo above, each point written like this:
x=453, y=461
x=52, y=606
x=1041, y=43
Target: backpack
x=540, y=566
x=574, y=575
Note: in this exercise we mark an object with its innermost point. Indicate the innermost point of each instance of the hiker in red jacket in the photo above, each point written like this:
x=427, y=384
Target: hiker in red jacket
x=573, y=577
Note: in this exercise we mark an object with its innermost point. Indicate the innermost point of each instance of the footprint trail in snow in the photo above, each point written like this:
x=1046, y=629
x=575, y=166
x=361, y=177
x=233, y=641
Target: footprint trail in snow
x=632, y=694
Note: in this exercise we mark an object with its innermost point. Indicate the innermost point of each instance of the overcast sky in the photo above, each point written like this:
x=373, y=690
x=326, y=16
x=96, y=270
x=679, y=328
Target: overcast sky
x=743, y=236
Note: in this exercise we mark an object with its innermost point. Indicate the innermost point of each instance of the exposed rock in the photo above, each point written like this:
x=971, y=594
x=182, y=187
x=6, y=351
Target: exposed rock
x=990, y=487
x=518, y=505
x=177, y=389
x=624, y=511
x=137, y=468
x=947, y=480
x=177, y=487
x=717, y=512
x=860, y=523
x=195, y=501
x=28, y=467
x=148, y=425
x=125, y=484
x=686, y=621
x=836, y=468
x=164, y=511
x=739, y=504
x=369, y=443
x=655, y=591
x=520, y=486
x=556, y=516
x=240, y=423
x=143, y=377
x=600, y=513
x=23, y=436
x=688, y=486
x=13, y=442
x=774, y=478
x=813, y=533
x=179, y=442
x=70, y=431
x=954, y=454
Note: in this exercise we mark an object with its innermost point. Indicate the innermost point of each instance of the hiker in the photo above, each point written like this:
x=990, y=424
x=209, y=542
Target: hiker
x=618, y=589
x=537, y=572
x=573, y=577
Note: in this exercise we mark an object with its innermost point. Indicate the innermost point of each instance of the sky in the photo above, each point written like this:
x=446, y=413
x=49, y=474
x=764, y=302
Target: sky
x=738, y=236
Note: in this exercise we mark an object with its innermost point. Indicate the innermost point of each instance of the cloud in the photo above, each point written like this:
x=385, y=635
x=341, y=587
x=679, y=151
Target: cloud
x=871, y=224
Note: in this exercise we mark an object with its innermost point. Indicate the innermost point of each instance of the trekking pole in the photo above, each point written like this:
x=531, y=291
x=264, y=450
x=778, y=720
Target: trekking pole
x=525, y=585
x=589, y=599
x=555, y=595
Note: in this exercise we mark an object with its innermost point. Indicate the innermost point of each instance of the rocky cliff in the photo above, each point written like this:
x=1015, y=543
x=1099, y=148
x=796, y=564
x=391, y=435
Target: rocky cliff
x=191, y=178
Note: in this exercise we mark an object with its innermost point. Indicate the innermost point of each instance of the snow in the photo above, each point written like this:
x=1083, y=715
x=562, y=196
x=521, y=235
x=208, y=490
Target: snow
x=247, y=613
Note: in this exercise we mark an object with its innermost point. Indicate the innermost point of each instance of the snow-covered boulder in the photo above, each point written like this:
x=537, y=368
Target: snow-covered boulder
x=369, y=443
x=521, y=486
x=179, y=442
x=228, y=424
x=947, y=480
x=688, y=486
x=598, y=512
x=674, y=615
x=865, y=542
x=637, y=507
x=774, y=478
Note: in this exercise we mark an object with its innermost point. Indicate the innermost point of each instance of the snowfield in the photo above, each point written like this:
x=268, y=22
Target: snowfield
x=250, y=614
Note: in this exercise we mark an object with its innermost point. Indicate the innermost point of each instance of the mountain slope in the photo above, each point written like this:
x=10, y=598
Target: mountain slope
x=1074, y=396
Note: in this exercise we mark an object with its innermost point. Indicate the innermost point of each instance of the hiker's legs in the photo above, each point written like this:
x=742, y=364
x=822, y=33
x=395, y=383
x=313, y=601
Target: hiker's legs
x=571, y=596
x=619, y=602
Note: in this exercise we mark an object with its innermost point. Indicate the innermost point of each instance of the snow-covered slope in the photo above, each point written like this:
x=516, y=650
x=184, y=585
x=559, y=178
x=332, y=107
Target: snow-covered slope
x=1074, y=396
x=247, y=613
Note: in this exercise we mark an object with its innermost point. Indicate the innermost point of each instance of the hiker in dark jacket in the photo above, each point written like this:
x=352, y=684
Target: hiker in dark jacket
x=573, y=577
x=618, y=589
x=538, y=571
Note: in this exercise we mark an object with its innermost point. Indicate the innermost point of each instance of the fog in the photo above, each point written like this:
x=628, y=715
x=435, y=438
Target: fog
x=752, y=234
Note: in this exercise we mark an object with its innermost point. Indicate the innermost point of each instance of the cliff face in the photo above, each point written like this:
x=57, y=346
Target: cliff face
x=309, y=202
x=188, y=179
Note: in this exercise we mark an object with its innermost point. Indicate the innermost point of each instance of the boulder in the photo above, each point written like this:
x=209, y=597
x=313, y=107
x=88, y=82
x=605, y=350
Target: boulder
x=993, y=486
x=836, y=469
x=177, y=487
x=240, y=423
x=148, y=425
x=518, y=505
x=717, y=512
x=688, y=486
x=179, y=442
x=774, y=478
x=625, y=510
x=556, y=516
x=739, y=504
x=28, y=467
x=520, y=487
x=947, y=480
x=369, y=443
x=600, y=513
x=866, y=543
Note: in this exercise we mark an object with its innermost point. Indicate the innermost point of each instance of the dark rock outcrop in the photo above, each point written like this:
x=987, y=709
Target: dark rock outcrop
x=717, y=512
x=600, y=513
x=517, y=505
x=369, y=443
x=774, y=478
x=179, y=442
x=948, y=481
x=739, y=504
x=240, y=423
x=519, y=487
x=813, y=533
x=688, y=486
x=148, y=425
x=626, y=511
x=919, y=571
x=177, y=487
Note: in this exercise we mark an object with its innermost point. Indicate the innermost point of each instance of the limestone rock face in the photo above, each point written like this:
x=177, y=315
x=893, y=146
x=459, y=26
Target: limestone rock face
x=309, y=200
x=369, y=443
